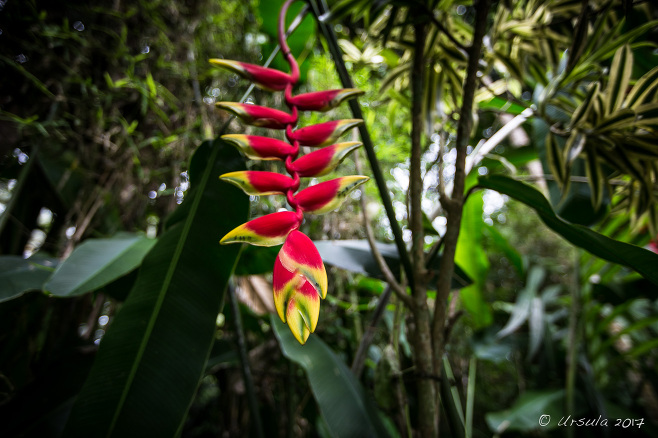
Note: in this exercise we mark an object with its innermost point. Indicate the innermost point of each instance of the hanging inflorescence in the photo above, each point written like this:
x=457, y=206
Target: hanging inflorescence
x=299, y=276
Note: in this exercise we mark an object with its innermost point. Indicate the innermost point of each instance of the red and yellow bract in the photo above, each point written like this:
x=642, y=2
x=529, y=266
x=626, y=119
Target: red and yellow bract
x=299, y=276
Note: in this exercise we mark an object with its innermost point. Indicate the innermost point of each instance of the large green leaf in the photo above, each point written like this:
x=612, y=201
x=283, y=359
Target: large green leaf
x=341, y=398
x=18, y=275
x=531, y=408
x=155, y=351
x=355, y=256
x=634, y=257
x=471, y=257
x=98, y=262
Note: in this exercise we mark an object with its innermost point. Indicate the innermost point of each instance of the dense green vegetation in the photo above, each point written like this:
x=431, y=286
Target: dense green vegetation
x=514, y=162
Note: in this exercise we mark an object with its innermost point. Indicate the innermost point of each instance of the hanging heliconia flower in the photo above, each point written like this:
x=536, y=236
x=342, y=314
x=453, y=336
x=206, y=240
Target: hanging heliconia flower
x=299, y=276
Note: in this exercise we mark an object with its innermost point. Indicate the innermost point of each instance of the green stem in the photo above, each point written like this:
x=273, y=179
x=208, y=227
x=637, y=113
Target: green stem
x=470, y=396
x=454, y=205
x=320, y=9
x=366, y=340
x=573, y=340
x=244, y=362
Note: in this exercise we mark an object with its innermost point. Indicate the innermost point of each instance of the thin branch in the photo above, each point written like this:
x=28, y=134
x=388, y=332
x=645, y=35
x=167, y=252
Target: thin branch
x=244, y=361
x=366, y=340
x=415, y=163
x=370, y=235
x=455, y=207
x=447, y=33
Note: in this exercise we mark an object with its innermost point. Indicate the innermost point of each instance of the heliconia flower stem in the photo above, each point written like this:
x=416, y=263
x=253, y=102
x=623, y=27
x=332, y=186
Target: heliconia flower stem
x=299, y=277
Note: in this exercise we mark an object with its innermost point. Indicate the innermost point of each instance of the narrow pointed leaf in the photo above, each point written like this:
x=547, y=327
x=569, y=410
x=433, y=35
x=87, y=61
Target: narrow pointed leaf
x=154, y=353
x=266, y=78
x=621, y=119
x=257, y=115
x=258, y=183
x=634, y=257
x=620, y=76
x=555, y=160
x=595, y=178
x=643, y=89
x=323, y=100
x=260, y=148
x=327, y=196
x=323, y=161
x=269, y=230
x=582, y=112
x=573, y=147
x=325, y=133
x=97, y=262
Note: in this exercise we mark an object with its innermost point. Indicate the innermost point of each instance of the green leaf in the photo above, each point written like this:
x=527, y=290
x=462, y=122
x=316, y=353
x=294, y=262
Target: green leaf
x=471, y=257
x=342, y=400
x=621, y=119
x=643, y=89
x=522, y=307
x=555, y=159
x=595, y=178
x=620, y=76
x=582, y=112
x=574, y=146
x=525, y=413
x=355, y=256
x=152, y=357
x=502, y=245
x=97, y=262
x=18, y=275
x=639, y=259
x=505, y=105
x=256, y=260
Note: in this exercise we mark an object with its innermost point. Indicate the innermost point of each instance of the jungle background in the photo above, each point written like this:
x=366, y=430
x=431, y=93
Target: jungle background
x=110, y=207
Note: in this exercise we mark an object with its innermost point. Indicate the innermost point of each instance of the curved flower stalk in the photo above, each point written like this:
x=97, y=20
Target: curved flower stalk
x=299, y=276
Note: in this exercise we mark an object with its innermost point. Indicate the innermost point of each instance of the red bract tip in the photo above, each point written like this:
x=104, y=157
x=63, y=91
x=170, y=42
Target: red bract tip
x=653, y=246
x=327, y=196
x=268, y=230
x=323, y=161
x=260, y=148
x=266, y=78
x=258, y=183
x=257, y=115
x=323, y=100
x=325, y=133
